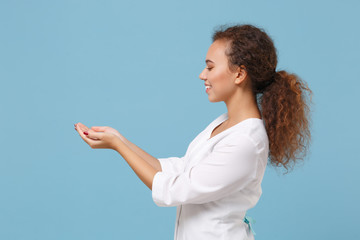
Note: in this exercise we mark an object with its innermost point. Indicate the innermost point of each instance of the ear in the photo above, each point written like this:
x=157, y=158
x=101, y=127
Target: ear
x=241, y=74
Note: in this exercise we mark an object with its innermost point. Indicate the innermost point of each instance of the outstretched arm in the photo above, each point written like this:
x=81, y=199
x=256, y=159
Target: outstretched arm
x=143, y=169
x=153, y=161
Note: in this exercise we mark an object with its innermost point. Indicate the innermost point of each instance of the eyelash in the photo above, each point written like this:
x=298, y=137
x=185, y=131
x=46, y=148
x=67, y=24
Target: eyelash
x=209, y=69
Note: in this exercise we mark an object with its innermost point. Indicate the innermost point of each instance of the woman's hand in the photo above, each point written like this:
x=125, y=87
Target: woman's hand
x=98, y=137
x=106, y=130
x=107, y=137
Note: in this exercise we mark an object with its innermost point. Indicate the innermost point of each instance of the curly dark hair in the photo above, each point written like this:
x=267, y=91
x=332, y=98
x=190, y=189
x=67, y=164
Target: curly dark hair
x=283, y=97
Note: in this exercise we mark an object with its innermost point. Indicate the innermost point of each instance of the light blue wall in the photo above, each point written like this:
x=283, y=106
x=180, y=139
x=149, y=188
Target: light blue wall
x=134, y=65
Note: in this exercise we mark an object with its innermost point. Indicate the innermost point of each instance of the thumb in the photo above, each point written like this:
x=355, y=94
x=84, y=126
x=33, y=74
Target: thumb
x=94, y=135
x=98, y=129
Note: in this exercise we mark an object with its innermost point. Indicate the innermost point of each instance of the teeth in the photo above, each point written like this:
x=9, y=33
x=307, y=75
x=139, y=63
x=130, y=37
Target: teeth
x=207, y=87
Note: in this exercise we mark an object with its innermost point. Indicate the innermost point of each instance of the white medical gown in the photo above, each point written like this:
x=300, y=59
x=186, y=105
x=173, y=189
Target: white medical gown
x=216, y=182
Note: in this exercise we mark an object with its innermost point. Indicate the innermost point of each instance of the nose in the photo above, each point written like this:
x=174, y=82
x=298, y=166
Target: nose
x=202, y=75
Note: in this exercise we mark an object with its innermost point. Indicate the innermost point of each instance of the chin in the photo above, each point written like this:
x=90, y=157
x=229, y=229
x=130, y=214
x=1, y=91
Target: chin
x=214, y=100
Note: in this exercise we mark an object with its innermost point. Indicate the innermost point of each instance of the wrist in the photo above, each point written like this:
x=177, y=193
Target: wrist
x=121, y=137
x=117, y=142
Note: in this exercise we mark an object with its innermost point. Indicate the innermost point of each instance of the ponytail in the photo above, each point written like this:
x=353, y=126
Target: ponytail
x=285, y=109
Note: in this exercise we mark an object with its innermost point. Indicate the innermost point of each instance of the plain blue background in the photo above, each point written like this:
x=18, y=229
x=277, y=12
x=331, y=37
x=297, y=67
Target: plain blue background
x=134, y=65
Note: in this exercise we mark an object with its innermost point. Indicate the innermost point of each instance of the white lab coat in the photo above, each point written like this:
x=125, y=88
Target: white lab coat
x=216, y=182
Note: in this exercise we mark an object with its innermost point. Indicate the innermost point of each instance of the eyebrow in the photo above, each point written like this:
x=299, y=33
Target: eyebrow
x=208, y=60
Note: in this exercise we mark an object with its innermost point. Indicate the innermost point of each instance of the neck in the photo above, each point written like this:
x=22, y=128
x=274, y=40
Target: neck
x=242, y=105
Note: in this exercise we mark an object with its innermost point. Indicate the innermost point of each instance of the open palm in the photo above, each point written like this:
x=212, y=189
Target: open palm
x=106, y=130
x=98, y=137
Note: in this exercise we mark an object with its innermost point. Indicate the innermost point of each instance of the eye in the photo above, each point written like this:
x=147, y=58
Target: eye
x=209, y=68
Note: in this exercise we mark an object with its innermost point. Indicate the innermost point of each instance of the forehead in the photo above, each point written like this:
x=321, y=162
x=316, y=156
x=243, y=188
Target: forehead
x=217, y=50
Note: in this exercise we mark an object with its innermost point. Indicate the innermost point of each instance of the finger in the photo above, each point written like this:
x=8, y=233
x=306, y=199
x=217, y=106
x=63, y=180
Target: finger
x=77, y=128
x=91, y=142
x=94, y=135
x=98, y=129
x=84, y=137
x=82, y=127
x=82, y=132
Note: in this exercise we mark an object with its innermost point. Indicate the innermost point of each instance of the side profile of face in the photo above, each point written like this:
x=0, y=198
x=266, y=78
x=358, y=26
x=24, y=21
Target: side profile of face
x=220, y=82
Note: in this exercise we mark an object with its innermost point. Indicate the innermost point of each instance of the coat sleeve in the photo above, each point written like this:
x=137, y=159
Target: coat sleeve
x=172, y=165
x=227, y=169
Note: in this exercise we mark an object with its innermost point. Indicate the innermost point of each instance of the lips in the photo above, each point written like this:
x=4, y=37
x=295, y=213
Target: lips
x=207, y=87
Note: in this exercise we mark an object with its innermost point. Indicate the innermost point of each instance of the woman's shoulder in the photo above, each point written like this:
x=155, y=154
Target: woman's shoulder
x=251, y=129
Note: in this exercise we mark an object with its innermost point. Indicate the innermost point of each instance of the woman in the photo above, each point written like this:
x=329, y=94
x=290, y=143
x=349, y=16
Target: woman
x=219, y=178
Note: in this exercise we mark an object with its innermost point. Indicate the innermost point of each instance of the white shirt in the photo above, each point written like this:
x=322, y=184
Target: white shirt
x=216, y=182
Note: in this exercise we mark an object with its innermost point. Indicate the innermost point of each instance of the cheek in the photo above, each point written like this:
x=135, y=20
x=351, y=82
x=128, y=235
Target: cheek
x=220, y=79
x=223, y=87
x=216, y=77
